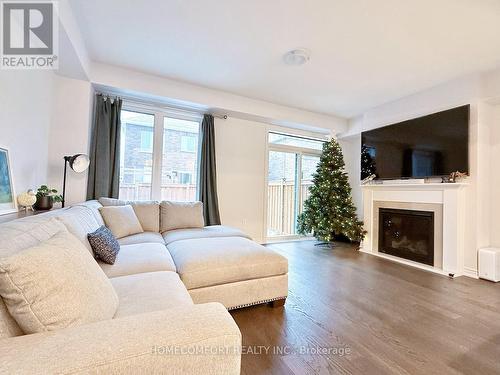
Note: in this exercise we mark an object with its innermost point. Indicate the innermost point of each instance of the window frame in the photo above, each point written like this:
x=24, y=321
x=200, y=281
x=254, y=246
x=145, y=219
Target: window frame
x=160, y=113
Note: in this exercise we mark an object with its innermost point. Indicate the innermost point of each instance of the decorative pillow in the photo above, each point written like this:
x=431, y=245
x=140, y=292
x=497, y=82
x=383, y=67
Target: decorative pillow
x=121, y=220
x=148, y=212
x=54, y=285
x=180, y=215
x=104, y=245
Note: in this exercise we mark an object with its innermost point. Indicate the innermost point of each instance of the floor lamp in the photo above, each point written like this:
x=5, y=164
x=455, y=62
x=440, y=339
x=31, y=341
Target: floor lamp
x=79, y=163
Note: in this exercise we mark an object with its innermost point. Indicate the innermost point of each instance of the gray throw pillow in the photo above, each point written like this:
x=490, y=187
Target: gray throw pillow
x=104, y=245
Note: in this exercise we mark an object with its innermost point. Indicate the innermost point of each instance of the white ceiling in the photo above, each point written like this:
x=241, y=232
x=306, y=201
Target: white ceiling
x=363, y=52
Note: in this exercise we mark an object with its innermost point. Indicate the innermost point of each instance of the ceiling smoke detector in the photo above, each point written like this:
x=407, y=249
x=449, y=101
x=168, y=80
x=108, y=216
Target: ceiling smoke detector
x=297, y=56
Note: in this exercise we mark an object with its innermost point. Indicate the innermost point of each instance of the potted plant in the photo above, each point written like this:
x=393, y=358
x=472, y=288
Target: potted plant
x=45, y=198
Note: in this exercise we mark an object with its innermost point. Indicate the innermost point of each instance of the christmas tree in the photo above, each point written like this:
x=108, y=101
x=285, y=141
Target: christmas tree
x=368, y=166
x=329, y=211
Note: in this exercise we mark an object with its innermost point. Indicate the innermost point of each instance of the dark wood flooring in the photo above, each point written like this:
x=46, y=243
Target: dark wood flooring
x=385, y=318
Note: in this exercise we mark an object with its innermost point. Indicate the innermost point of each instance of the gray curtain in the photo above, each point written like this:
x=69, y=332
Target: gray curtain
x=208, y=175
x=104, y=153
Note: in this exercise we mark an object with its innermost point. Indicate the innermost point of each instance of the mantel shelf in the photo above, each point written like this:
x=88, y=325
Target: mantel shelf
x=414, y=185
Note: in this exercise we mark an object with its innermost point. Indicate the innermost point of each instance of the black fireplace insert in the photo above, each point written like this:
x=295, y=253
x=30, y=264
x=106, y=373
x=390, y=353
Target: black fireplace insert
x=407, y=234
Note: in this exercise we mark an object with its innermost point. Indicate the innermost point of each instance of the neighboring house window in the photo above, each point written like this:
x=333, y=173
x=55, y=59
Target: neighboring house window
x=188, y=143
x=147, y=141
x=147, y=151
x=185, y=178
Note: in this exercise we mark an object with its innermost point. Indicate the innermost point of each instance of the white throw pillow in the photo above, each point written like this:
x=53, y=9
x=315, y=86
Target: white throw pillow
x=148, y=212
x=54, y=285
x=180, y=215
x=121, y=220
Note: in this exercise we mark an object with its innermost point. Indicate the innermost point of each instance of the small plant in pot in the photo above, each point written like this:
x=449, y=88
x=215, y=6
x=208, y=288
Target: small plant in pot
x=45, y=198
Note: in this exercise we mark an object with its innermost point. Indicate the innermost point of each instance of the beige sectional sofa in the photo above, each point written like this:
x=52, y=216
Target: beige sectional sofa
x=174, y=289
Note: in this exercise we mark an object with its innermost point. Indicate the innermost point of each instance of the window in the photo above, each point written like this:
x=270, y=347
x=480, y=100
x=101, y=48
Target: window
x=136, y=166
x=180, y=159
x=158, y=155
x=295, y=141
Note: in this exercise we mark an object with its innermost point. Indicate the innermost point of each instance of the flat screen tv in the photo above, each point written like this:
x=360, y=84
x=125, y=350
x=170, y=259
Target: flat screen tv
x=429, y=146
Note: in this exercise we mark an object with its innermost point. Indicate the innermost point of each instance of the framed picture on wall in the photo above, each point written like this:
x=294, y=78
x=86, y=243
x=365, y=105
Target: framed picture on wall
x=7, y=196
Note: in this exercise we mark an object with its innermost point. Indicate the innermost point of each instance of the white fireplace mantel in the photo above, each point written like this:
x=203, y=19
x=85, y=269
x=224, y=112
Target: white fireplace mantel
x=452, y=198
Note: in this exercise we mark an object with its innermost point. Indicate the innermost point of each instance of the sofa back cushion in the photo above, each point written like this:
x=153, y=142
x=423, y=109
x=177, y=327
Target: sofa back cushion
x=93, y=206
x=54, y=285
x=121, y=220
x=180, y=215
x=20, y=234
x=80, y=221
x=148, y=212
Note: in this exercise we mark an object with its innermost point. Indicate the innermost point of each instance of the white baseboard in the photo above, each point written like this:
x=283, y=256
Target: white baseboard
x=471, y=272
x=408, y=263
x=467, y=271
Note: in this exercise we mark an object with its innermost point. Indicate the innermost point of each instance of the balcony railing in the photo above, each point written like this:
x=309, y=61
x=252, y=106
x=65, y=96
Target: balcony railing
x=169, y=192
x=281, y=202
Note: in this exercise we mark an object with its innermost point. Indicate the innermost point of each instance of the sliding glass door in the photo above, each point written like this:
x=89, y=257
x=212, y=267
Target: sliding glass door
x=282, y=194
x=290, y=174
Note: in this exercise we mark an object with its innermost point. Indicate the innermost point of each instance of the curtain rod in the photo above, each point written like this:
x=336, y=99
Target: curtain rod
x=143, y=102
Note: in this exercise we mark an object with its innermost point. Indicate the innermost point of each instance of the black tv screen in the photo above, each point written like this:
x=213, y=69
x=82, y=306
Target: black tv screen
x=429, y=146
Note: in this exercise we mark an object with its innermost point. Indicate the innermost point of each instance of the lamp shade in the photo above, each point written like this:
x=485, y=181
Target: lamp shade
x=79, y=162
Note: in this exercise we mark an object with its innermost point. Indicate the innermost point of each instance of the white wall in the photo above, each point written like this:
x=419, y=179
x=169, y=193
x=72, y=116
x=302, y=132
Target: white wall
x=351, y=149
x=25, y=117
x=493, y=171
x=69, y=134
x=241, y=158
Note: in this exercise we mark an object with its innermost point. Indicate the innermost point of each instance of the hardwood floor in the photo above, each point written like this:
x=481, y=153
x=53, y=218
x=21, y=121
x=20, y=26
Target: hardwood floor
x=388, y=318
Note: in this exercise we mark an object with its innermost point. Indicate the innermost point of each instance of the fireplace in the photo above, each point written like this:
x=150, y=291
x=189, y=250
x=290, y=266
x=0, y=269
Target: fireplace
x=407, y=234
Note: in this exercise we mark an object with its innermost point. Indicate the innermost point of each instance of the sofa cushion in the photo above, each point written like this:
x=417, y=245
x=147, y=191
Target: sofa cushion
x=28, y=232
x=142, y=238
x=209, y=231
x=148, y=212
x=55, y=285
x=179, y=215
x=147, y=292
x=214, y=261
x=121, y=220
x=80, y=221
x=104, y=245
x=8, y=325
x=93, y=206
x=139, y=258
